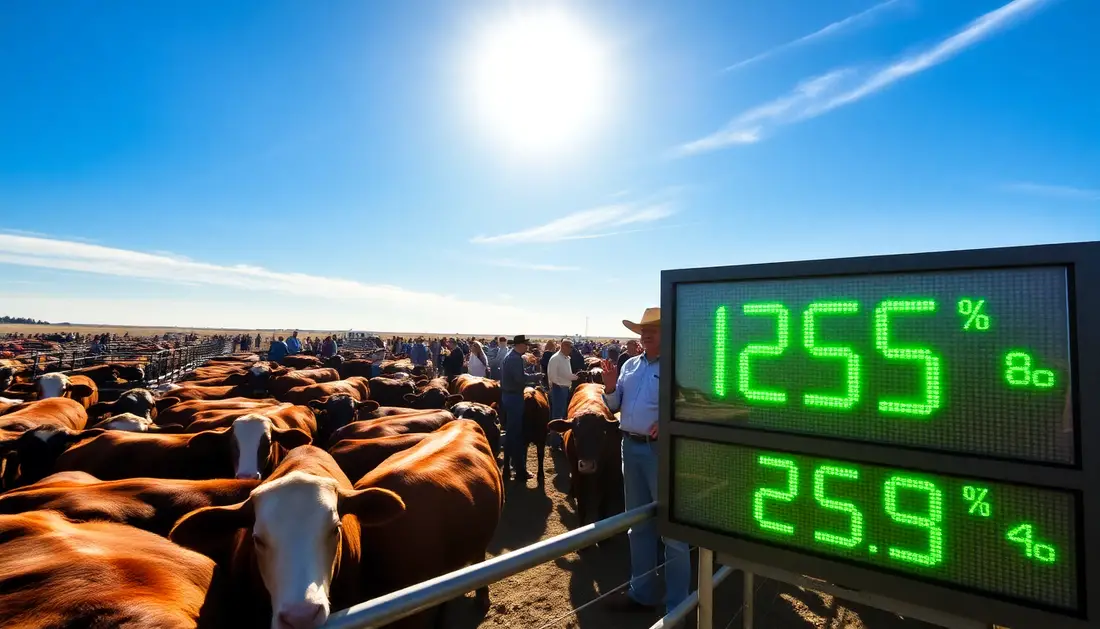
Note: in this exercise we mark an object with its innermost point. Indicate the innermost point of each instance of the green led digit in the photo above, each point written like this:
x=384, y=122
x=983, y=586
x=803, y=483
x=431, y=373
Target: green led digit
x=721, y=325
x=930, y=522
x=932, y=373
x=855, y=528
x=765, y=493
x=809, y=339
x=782, y=330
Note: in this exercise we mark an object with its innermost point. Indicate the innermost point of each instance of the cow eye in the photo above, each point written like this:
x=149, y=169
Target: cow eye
x=336, y=528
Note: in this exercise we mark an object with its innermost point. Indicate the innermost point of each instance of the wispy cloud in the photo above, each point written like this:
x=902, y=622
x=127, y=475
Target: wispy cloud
x=824, y=93
x=527, y=266
x=597, y=222
x=96, y=259
x=863, y=18
x=1056, y=191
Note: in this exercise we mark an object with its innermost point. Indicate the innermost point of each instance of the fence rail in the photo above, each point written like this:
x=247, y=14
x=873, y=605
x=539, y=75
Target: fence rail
x=415, y=598
x=160, y=365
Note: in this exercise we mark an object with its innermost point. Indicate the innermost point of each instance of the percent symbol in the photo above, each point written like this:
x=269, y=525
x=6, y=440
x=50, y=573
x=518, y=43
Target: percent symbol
x=974, y=311
x=976, y=497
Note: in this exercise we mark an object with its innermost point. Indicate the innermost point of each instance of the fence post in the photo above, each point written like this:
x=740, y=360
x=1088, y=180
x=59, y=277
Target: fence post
x=706, y=589
x=747, y=595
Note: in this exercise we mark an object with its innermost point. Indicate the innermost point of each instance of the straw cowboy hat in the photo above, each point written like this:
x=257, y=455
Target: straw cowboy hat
x=651, y=316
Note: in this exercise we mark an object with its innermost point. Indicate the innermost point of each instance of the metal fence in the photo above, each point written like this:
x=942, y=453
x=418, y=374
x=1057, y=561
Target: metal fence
x=159, y=365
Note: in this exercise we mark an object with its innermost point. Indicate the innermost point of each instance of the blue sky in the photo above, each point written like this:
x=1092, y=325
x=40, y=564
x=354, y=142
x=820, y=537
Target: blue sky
x=289, y=163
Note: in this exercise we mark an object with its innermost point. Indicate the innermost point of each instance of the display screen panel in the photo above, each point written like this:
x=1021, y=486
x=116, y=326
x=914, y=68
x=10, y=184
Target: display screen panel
x=976, y=362
x=1011, y=541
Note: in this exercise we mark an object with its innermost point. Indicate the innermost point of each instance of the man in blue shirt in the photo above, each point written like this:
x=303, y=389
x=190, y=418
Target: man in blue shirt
x=293, y=345
x=418, y=353
x=635, y=392
x=278, y=350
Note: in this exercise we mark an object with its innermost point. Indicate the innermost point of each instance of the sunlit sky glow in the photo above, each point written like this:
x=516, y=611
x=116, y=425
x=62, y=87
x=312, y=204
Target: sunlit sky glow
x=517, y=167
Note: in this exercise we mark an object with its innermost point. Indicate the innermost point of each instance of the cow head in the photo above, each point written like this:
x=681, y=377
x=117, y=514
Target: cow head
x=58, y=385
x=250, y=443
x=138, y=402
x=36, y=450
x=7, y=377
x=258, y=377
x=431, y=398
x=485, y=416
x=591, y=433
x=298, y=525
x=337, y=411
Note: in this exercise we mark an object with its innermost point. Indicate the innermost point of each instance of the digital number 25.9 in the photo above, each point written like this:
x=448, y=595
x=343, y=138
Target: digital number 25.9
x=822, y=350
x=852, y=537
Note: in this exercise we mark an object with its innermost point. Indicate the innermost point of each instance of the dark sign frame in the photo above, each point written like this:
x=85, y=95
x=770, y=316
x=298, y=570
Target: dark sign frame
x=1082, y=261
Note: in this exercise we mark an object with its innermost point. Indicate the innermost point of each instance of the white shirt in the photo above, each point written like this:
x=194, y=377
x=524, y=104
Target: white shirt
x=558, y=371
x=476, y=367
x=638, y=393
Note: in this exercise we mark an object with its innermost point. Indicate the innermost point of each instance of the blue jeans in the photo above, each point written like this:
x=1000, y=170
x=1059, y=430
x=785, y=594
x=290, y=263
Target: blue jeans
x=514, y=448
x=640, y=484
x=559, y=403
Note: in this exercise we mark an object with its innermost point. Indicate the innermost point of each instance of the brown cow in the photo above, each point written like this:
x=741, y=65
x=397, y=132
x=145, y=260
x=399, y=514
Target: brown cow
x=431, y=394
x=138, y=402
x=282, y=416
x=359, y=456
x=302, y=361
x=355, y=386
x=188, y=411
x=390, y=391
x=337, y=411
x=536, y=415
x=134, y=423
x=474, y=389
x=593, y=447
x=356, y=367
x=450, y=477
x=140, y=579
x=416, y=421
x=79, y=388
x=244, y=450
x=299, y=535
x=150, y=504
x=281, y=384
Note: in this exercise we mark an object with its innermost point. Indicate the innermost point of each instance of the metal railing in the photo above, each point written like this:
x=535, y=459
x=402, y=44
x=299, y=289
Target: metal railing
x=160, y=365
x=416, y=598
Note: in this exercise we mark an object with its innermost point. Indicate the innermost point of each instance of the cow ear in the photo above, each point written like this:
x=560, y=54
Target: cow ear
x=421, y=382
x=81, y=390
x=290, y=438
x=367, y=406
x=318, y=405
x=560, y=425
x=211, y=530
x=166, y=402
x=495, y=406
x=611, y=425
x=373, y=506
x=409, y=397
x=169, y=429
x=452, y=400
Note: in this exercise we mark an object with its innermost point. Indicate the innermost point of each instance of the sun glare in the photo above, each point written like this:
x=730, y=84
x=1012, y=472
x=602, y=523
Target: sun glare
x=539, y=81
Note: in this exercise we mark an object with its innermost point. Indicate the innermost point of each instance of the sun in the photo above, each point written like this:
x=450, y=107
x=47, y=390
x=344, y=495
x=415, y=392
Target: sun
x=539, y=81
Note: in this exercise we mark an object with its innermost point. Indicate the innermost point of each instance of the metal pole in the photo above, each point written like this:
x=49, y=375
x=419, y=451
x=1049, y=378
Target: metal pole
x=677, y=614
x=415, y=598
x=748, y=593
x=706, y=589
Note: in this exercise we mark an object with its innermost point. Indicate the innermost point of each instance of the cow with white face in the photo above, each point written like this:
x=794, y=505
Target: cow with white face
x=130, y=422
x=256, y=442
x=60, y=385
x=301, y=527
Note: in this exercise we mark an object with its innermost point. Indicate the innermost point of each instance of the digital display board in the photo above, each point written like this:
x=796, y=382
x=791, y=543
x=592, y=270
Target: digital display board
x=1011, y=541
x=974, y=361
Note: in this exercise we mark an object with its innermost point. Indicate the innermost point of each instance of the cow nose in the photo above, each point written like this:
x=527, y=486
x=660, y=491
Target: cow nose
x=249, y=476
x=586, y=467
x=302, y=615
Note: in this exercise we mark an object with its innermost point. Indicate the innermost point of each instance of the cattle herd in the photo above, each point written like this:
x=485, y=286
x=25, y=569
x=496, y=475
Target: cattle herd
x=256, y=494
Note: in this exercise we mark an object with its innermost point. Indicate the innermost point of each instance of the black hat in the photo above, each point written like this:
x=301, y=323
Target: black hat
x=520, y=339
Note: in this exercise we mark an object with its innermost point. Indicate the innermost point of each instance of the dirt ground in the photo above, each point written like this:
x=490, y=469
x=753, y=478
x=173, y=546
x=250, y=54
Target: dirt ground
x=545, y=596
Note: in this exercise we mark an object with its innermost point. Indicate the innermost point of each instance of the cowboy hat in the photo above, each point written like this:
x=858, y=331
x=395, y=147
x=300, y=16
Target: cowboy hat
x=651, y=316
x=520, y=339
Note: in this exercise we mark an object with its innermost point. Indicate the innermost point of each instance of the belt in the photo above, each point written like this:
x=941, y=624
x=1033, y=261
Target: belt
x=633, y=436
